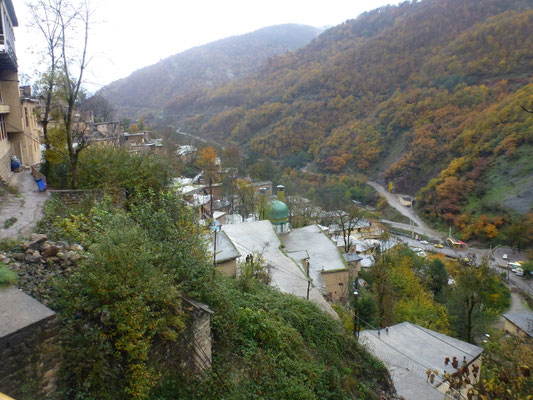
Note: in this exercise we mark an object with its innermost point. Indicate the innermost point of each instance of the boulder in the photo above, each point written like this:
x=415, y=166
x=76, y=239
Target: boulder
x=33, y=258
x=72, y=256
x=36, y=239
x=51, y=251
x=19, y=256
x=76, y=247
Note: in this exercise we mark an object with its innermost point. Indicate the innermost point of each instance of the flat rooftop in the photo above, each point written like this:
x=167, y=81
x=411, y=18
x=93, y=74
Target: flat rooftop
x=287, y=275
x=323, y=253
x=409, y=351
x=226, y=250
x=523, y=320
x=427, y=348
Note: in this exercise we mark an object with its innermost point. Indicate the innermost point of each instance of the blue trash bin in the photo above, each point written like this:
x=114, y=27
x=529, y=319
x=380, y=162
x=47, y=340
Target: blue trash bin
x=40, y=183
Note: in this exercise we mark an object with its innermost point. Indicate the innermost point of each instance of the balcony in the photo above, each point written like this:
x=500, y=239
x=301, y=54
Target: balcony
x=4, y=109
x=8, y=59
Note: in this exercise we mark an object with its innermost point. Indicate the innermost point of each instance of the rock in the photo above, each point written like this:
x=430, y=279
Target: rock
x=51, y=251
x=36, y=241
x=5, y=260
x=37, y=238
x=72, y=256
x=61, y=254
x=76, y=247
x=19, y=256
x=2, y=258
x=33, y=258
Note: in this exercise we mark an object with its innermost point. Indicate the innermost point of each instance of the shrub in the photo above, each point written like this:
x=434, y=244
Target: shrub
x=7, y=277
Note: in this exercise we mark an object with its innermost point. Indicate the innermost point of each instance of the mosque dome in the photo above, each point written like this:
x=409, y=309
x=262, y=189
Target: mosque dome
x=278, y=212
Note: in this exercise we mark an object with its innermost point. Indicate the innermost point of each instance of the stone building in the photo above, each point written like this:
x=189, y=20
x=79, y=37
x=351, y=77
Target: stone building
x=26, y=145
x=10, y=110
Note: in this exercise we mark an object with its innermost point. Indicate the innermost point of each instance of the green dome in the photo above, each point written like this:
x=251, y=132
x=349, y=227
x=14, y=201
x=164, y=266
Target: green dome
x=278, y=212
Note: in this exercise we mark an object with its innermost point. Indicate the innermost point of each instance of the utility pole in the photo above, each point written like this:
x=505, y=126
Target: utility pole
x=211, y=196
x=308, y=277
x=215, y=229
x=355, y=319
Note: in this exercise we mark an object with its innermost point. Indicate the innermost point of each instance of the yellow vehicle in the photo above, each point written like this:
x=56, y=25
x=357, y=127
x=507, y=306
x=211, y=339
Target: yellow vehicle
x=438, y=246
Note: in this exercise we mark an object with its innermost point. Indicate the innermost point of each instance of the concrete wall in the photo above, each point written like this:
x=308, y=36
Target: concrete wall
x=29, y=346
x=228, y=268
x=513, y=329
x=354, y=267
x=337, y=284
x=32, y=132
x=9, y=87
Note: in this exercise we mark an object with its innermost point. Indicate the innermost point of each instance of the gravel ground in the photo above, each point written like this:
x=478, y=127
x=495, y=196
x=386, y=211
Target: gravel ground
x=26, y=207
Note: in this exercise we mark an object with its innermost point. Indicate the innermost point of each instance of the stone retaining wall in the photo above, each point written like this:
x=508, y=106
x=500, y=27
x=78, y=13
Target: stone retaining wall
x=77, y=196
x=5, y=168
x=29, y=346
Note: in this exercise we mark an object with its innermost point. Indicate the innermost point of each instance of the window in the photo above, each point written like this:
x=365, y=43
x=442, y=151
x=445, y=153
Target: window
x=27, y=117
x=3, y=132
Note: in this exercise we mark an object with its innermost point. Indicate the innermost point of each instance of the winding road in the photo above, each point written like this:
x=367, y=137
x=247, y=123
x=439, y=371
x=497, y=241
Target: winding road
x=495, y=256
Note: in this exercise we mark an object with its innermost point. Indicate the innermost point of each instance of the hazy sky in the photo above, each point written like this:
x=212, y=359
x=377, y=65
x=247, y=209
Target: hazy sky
x=131, y=34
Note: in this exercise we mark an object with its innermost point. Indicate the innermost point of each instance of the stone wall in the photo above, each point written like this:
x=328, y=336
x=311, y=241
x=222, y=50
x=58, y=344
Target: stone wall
x=196, y=340
x=29, y=346
x=77, y=196
x=5, y=168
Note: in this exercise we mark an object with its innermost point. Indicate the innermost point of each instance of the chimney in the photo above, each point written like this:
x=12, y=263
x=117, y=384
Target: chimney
x=281, y=193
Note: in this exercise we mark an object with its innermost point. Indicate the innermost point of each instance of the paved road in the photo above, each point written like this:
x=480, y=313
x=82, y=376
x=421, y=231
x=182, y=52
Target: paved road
x=496, y=261
x=393, y=201
x=416, y=229
x=27, y=207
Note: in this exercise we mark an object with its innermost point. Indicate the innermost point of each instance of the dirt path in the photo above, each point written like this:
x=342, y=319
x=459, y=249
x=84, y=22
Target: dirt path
x=517, y=306
x=26, y=207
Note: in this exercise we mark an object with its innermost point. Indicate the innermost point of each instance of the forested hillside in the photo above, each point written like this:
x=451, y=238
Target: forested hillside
x=425, y=94
x=147, y=90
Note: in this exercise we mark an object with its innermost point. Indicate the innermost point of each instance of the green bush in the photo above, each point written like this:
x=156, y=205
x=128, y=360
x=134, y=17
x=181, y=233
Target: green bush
x=7, y=277
x=113, y=309
x=269, y=345
x=112, y=168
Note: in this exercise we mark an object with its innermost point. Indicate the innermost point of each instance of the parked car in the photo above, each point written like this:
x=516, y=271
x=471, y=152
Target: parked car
x=438, y=246
x=505, y=257
x=424, y=242
x=519, y=272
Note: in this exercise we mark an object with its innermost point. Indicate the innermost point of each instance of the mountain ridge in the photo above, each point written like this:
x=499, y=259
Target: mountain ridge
x=407, y=93
x=146, y=90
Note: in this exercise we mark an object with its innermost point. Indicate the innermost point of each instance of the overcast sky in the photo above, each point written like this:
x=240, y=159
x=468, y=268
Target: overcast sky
x=130, y=34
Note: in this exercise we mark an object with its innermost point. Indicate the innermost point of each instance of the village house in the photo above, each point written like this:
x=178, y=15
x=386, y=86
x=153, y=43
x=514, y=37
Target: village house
x=10, y=107
x=406, y=201
x=354, y=263
x=26, y=145
x=226, y=254
x=327, y=269
x=140, y=142
x=409, y=351
x=519, y=324
x=260, y=237
x=186, y=153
